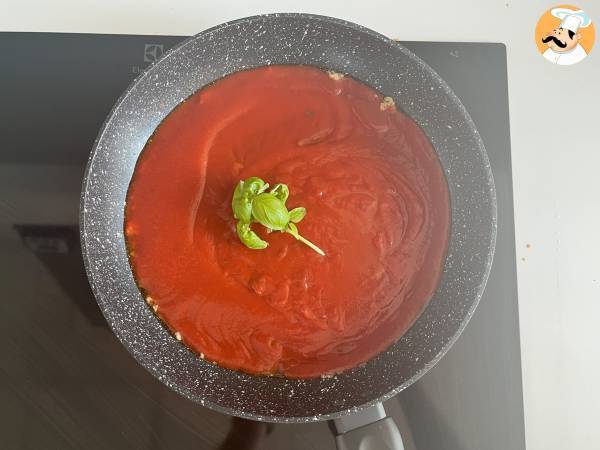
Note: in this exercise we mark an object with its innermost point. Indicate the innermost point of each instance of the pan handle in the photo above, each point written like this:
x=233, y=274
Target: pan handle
x=370, y=429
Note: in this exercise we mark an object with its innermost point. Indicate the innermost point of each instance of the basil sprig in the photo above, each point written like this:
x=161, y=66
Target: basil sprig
x=251, y=203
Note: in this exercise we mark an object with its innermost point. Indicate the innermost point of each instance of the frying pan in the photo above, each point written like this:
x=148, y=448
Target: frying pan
x=352, y=397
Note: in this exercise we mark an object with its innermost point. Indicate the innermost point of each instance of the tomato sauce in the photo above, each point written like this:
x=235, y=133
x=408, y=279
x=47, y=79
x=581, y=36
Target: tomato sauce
x=377, y=203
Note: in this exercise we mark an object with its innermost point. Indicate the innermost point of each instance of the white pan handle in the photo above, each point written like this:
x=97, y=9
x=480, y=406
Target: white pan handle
x=370, y=429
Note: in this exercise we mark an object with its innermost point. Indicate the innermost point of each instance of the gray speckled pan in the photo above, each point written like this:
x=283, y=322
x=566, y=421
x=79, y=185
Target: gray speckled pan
x=289, y=39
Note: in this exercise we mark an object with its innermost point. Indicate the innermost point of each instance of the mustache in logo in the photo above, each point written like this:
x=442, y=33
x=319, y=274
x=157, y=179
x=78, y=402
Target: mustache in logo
x=556, y=41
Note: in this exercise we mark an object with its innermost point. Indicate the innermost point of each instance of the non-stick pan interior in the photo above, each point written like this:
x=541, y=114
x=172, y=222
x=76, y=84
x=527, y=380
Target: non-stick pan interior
x=289, y=39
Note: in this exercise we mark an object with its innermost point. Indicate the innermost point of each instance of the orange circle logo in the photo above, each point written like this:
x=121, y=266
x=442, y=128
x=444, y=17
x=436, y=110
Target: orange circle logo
x=565, y=35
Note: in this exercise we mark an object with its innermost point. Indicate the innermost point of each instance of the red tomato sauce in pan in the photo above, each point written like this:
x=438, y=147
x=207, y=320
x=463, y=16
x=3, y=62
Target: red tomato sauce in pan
x=377, y=203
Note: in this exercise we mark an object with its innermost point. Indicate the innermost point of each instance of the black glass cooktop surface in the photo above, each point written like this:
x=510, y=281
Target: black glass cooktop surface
x=65, y=380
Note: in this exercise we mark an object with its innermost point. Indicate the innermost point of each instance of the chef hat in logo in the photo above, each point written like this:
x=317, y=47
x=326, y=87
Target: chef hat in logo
x=570, y=19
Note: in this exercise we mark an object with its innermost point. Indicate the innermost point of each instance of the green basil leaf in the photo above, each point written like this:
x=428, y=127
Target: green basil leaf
x=242, y=210
x=249, y=238
x=281, y=191
x=240, y=204
x=251, y=203
x=269, y=211
x=254, y=186
x=238, y=193
x=297, y=214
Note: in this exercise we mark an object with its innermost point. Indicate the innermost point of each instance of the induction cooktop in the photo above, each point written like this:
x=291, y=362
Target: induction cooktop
x=65, y=380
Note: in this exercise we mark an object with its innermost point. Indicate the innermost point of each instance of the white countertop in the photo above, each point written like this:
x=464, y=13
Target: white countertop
x=555, y=154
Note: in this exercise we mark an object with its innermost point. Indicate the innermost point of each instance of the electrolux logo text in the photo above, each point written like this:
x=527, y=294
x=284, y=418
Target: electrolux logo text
x=152, y=52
